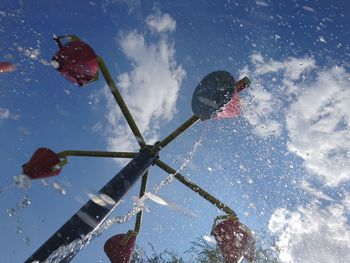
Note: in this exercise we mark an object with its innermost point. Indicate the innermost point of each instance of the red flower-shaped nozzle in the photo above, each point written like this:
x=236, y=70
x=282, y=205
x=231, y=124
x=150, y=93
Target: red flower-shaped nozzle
x=43, y=163
x=77, y=62
x=119, y=248
x=234, y=240
x=233, y=107
x=6, y=67
x=216, y=96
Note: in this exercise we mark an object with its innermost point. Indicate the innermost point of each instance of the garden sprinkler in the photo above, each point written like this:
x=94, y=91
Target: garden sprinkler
x=216, y=96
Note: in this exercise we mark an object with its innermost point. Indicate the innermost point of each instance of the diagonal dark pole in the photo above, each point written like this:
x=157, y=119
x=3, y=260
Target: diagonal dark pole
x=92, y=215
x=197, y=189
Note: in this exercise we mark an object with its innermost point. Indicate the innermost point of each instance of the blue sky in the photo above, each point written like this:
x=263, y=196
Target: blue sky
x=282, y=165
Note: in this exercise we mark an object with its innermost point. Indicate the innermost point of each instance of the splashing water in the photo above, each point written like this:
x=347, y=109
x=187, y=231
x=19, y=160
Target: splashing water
x=209, y=239
x=74, y=247
x=10, y=212
x=4, y=189
x=22, y=181
x=25, y=203
x=19, y=230
x=59, y=188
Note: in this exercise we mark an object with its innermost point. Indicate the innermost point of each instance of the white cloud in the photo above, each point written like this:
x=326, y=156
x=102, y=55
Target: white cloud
x=318, y=126
x=256, y=58
x=161, y=23
x=346, y=201
x=150, y=90
x=311, y=106
x=312, y=234
x=262, y=107
x=292, y=67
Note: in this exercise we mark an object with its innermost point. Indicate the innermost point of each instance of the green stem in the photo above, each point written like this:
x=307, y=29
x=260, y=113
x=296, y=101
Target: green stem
x=97, y=154
x=114, y=89
x=142, y=192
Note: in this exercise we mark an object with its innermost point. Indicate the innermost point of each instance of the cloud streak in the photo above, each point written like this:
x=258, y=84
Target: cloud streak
x=309, y=106
x=319, y=128
x=312, y=234
x=265, y=98
x=160, y=23
x=150, y=89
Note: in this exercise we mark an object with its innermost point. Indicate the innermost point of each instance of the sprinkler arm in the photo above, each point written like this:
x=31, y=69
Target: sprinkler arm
x=115, y=92
x=139, y=214
x=197, y=189
x=58, y=39
x=114, y=89
x=64, y=154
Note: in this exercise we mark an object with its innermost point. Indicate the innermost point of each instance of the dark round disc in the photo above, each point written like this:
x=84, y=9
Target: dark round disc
x=212, y=93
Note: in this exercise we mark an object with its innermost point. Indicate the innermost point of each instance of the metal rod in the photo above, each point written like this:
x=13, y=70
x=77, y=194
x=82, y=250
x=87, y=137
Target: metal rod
x=114, y=89
x=242, y=84
x=197, y=189
x=183, y=127
x=97, y=154
x=92, y=215
x=142, y=192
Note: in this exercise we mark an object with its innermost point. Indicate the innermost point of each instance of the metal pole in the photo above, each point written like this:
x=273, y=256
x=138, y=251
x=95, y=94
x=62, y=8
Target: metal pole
x=92, y=215
x=97, y=154
x=142, y=192
x=118, y=97
x=197, y=189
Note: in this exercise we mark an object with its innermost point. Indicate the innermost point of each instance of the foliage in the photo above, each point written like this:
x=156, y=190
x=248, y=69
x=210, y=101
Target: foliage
x=266, y=251
x=140, y=256
x=203, y=252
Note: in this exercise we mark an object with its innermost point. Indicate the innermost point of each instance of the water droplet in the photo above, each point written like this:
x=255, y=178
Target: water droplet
x=22, y=181
x=44, y=182
x=27, y=241
x=209, y=239
x=322, y=39
x=24, y=203
x=55, y=64
x=19, y=230
x=10, y=211
x=252, y=205
x=59, y=188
